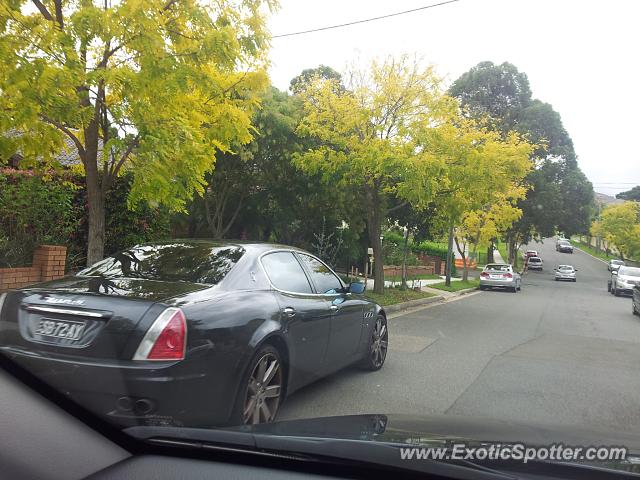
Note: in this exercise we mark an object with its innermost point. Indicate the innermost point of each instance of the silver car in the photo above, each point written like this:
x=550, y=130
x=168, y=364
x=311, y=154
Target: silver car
x=500, y=275
x=623, y=280
x=615, y=265
x=565, y=272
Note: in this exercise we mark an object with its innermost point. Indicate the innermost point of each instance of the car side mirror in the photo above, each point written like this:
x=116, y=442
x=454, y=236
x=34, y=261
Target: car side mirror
x=357, y=288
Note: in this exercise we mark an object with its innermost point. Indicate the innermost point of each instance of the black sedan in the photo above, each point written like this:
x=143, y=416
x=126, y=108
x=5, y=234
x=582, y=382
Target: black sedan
x=194, y=333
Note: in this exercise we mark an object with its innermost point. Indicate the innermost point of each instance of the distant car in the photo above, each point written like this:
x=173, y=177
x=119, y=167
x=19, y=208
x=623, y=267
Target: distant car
x=534, y=263
x=624, y=280
x=635, y=301
x=500, y=275
x=615, y=265
x=529, y=254
x=565, y=272
x=564, y=246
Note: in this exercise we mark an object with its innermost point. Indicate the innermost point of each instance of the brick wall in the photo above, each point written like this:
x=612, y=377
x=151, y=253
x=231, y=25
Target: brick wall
x=48, y=264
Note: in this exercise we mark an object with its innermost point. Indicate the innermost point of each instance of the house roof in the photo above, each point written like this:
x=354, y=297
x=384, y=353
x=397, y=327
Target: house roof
x=68, y=156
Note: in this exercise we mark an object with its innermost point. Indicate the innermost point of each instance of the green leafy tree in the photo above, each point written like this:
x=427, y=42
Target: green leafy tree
x=633, y=194
x=560, y=196
x=362, y=138
x=153, y=86
x=619, y=224
x=299, y=83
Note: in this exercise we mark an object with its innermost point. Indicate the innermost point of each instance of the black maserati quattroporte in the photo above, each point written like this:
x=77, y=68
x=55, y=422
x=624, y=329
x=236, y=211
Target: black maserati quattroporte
x=192, y=333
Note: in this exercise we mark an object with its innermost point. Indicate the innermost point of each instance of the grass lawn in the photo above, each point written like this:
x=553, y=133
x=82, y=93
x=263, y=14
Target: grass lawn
x=395, y=295
x=456, y=286
x=601, y=254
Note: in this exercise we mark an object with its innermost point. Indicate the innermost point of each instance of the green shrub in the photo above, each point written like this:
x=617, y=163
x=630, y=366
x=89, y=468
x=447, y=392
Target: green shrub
x=34, y=210
x=430, y=248
x=52, y=209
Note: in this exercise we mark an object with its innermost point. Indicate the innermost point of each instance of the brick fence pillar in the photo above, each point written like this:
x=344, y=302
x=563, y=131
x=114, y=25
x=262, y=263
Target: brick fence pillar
x=51, y=260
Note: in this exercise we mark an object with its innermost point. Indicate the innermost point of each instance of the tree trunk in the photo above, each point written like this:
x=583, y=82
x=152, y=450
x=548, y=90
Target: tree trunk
x=403, y=285
x=465, y=268
x=374, y=223
x=447, y=280
x=490, y=253
x=95, y=196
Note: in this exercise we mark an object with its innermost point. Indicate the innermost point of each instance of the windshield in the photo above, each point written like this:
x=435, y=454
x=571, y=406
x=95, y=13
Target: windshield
x=234, y=213
x=176, y=262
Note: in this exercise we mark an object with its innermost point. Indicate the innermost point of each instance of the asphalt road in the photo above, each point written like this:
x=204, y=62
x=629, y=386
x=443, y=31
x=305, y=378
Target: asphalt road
x=556, y=353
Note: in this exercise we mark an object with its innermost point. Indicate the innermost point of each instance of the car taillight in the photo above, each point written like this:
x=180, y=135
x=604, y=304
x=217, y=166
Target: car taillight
x=484, y=275
x=166, y=339
x=508, y=275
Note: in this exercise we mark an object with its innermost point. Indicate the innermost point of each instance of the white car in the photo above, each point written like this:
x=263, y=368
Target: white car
x=534, y=263
x=565, y=272
x=500, y=275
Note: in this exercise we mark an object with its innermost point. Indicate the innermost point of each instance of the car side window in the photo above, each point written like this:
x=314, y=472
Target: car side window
x=285, y=272
x=323, y=278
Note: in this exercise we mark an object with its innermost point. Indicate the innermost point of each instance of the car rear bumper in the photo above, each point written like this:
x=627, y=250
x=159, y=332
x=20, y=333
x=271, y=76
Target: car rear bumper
x=534, y=267
x=132, y=393
x=571, y=279
x=494, y=282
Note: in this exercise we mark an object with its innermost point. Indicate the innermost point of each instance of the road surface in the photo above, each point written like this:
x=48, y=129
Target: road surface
x=557, y=353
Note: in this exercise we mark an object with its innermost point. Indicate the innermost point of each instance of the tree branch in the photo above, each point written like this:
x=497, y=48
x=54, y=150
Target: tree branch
x=43, y=10
x=59, y=18
x=69, y=133
x=397, y=207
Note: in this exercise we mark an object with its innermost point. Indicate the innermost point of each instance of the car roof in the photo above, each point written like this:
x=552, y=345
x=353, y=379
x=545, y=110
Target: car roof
x=256, y=247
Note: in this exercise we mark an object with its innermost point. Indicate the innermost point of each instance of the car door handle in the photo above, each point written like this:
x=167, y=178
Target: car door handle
x=289, y=312
x=333, y=308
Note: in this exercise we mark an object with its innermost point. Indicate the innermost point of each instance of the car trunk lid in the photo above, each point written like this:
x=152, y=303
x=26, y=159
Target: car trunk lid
x=83, y=316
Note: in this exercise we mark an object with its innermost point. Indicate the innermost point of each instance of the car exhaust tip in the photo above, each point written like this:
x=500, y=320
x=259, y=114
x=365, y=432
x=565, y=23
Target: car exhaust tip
x=124, y=404
x=144, y=406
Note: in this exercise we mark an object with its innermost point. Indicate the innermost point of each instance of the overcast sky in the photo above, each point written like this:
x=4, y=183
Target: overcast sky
x=579, y=56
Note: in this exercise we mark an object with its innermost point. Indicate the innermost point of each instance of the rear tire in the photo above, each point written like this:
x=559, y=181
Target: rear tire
x=616, y=292
x=377, y=347
x=262, y=389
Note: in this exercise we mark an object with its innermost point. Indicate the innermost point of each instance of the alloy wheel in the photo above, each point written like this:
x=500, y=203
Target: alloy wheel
x=264, y=390
x=379, y=342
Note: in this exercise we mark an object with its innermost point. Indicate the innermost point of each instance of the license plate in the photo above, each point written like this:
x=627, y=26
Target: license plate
x=60, y=329
x=495, y=276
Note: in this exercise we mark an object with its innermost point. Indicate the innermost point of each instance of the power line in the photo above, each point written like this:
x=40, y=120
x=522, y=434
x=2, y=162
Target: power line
x=372, y=19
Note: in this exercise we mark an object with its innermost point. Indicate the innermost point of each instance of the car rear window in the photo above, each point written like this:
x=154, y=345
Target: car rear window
x=564, y=268
x=535, y=260
x=498, y=268
x=175, y=262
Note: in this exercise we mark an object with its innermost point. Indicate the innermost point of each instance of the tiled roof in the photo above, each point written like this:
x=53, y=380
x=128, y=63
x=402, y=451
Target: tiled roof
x=69, y=155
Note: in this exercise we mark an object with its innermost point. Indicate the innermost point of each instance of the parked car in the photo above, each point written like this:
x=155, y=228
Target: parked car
x=534, y=263
x=565, y=272
x=500, y=275
x=529, y=254
x=564, y=246
x=615, y=265
x=635, y=301
x=192, y=332
x=624, y=280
